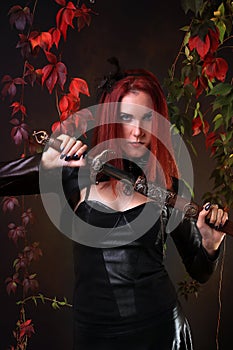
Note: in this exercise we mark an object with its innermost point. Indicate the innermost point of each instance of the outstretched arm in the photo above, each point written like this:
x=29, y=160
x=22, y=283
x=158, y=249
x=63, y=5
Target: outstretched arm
x=21, y=176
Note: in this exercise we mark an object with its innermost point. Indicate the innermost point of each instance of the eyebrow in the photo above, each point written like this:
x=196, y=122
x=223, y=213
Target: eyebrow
x=132, y=115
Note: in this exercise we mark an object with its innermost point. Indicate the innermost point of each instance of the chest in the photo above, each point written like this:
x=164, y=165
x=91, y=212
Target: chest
x=113, y=196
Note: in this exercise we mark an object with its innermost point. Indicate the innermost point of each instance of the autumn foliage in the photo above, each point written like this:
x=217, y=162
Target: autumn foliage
x=54, y=74
x=200, y=91
x=53, y=77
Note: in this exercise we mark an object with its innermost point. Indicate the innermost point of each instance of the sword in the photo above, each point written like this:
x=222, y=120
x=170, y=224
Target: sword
x=100, y=164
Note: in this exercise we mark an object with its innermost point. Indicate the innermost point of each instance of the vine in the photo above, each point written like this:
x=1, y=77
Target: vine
x=54, y=77
x=200, y=90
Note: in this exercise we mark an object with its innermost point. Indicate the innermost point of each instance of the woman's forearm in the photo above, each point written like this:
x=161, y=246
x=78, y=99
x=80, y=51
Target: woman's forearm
x=21, y=176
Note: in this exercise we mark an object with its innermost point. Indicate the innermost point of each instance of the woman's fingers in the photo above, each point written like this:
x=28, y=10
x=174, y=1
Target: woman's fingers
x=71, y=149
x=216, y=216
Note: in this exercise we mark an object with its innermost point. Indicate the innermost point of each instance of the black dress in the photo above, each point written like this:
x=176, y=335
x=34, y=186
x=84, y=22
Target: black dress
x=123, y=296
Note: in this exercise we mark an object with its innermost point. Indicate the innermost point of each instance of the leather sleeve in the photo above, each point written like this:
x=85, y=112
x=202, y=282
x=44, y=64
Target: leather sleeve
x=197, y=261
x=21, y=176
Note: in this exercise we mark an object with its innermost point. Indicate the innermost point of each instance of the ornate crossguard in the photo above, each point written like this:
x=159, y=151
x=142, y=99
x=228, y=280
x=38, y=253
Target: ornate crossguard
x=160, y=195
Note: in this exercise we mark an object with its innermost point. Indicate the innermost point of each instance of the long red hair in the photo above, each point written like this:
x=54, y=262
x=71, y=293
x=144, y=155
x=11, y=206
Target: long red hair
x=107, y=130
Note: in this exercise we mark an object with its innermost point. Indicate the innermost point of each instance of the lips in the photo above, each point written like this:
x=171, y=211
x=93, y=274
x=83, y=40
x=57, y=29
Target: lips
x=136, y=144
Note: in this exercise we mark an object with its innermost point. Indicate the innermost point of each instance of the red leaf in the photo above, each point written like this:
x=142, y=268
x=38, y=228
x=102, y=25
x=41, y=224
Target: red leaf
x=61, y=2
x=215, y=68
x=46, y=71
x=6, y=79
x=27, y=217
x=63, y=103
x=17, y=106
x=56, y=127
x=62, y=73
x=198, y=125
x=65, y=18
x=15, y=232
x=9, y=203
x=25, y=46
x=19, y=132
x=21, y=263
x=209, y=142
x=30, y=283
x=56, y=36
x=202, y=47
x=31, y=74
x=26, y=328
x=12, y=283
x=78, y=85
x=43, y=40
x=214, y=39
x=33, y=252
x=20, y=17
x=51, y=57
x=84, y=16
x=51, y=80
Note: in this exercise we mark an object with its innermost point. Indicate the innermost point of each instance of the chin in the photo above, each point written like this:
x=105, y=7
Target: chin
x=134, y=154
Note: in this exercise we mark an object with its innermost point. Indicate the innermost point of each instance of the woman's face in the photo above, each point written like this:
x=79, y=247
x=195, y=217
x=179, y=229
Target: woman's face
x=136, y=114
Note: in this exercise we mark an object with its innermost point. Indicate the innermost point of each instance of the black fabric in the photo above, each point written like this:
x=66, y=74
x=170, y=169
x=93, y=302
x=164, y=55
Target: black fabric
x=170, y=334
x=21, y=176
x=124, y=293
x=123, y=297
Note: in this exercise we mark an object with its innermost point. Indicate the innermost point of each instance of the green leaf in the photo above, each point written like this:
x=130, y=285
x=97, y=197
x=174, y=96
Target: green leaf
x=222, y=29
x=185, y=28
x=221, y=8
x=34, y=299
x=222, y=89
x=197, y=111
x=42, y=298
x=218, y=121
x=192, y=5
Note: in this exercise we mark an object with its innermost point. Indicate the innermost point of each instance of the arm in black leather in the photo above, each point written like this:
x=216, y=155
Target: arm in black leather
x=21, y=176
x=197, y=261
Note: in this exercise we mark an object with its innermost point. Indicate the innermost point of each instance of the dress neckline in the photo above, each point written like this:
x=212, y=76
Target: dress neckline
x=110, y=209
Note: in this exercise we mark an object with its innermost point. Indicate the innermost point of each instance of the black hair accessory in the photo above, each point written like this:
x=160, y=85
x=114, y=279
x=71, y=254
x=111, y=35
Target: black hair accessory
x=109, y=80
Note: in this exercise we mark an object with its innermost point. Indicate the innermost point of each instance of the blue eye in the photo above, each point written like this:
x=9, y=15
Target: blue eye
x=125, y=117
x=147, y=116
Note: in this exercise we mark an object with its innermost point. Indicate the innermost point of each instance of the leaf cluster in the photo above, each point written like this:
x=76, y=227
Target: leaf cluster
x=200, y=90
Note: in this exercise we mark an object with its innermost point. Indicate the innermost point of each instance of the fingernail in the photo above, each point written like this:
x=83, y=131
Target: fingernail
x=62, y=156
x=76, y=157
x=216, y=228
x=207, y=207
x=67, y=158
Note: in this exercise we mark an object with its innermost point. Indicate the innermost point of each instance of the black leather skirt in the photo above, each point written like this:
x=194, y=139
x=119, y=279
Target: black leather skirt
x=174, y=334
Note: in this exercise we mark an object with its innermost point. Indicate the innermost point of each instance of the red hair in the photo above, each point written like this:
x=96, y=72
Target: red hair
x=107, y=129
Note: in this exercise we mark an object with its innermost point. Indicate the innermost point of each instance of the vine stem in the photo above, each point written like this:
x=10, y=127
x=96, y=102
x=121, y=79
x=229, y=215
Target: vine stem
x=173, y=68
x=40, y=297
x=219, y=295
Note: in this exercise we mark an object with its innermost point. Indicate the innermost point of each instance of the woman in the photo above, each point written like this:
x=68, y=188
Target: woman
x=123, y=297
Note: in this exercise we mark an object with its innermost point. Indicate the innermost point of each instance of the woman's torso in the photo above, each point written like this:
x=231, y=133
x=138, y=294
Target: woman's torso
x=120, y=277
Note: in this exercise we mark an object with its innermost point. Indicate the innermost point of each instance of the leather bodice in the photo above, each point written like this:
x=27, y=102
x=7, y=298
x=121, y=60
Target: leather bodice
x=128, y=284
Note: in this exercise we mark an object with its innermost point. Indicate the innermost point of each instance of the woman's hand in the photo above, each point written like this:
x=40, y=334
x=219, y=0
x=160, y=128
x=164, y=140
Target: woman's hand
x=71, y=154
x=212, y=235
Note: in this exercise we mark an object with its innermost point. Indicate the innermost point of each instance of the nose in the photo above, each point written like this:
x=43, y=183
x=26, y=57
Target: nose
x=137, y=130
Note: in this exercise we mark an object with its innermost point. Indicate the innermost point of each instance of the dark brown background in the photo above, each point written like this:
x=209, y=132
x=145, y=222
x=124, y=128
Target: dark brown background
x=141, y=34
